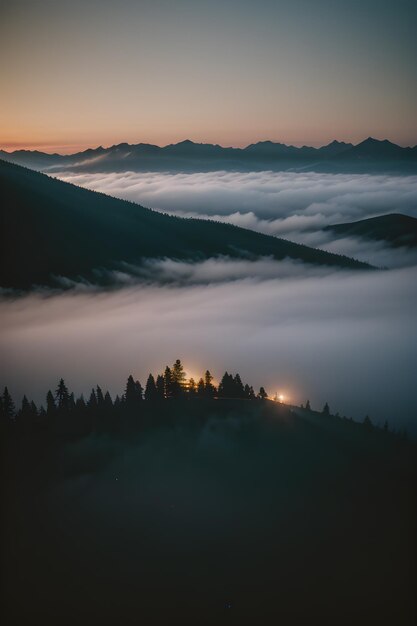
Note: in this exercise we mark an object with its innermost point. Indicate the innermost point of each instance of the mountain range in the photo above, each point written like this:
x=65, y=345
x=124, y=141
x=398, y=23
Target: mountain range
x=369, y=155
x=51, y=228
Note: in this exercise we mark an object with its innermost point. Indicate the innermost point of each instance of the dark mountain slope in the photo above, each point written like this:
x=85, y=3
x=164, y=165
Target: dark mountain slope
x=54, y=228
x=234, y=512
x=395, y=228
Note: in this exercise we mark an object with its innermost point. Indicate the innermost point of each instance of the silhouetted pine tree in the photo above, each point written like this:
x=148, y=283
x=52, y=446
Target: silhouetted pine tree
x=42, y=417
x=80, y=404
x=192, y=388
x=201, y=388
x=24, y=414
x=262, y=395
x=108, y=402
x=232, y=387
x=100, y=397
x=160, y=387
x=367, y=422
x=130, y=391
x=62, y=395
x=150, y=389
x=8, y=406
x=138, y=391
x=178, y=379
x=238, y=387
x=92, y=402
x=71, y=402
x=168, y=382
x=99, y=413
x=209, y=389
x=133, y=392
x=50, y=403
x=226, y=386
x=25, y=408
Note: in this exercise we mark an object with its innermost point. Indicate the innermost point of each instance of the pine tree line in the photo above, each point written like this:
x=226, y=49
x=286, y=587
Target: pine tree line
x=171, y=384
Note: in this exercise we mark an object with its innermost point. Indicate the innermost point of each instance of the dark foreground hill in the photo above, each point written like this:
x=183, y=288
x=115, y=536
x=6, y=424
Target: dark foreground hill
x=51, y=228
x=396, y=229
x=210, y=512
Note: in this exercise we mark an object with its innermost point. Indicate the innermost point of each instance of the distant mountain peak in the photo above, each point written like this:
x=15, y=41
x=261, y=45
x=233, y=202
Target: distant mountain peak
x=335, y=143
x=334, y=148
x=371, y=141
x=270, y=147
x=188, y=155
x=185, y=142
x=378, y=150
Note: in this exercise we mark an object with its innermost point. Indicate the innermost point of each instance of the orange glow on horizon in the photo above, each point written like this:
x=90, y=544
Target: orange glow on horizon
x=78, y=139
x=77, y=77
x=48, y=148
x=62, y=147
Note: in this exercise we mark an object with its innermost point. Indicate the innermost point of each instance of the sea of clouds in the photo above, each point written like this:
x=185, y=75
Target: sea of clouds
x=348, y=338
x=326, y=334
x=295, y=206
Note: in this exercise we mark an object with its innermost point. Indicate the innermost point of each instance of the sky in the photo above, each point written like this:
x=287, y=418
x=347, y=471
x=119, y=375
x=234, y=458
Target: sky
x=81, y=74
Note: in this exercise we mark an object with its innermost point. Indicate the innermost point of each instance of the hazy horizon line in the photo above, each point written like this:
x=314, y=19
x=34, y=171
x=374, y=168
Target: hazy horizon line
x=61, y=149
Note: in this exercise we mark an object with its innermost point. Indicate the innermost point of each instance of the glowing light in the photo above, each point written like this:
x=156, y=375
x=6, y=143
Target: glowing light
x=281, y=397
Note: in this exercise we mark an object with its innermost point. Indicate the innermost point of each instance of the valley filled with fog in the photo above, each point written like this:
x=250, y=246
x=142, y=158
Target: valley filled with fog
x=295, y=206
x=326, y=334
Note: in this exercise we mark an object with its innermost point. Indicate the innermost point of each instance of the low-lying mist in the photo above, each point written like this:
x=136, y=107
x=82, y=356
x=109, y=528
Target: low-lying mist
x=292, y=205
x=293, y=201
x=346, y=338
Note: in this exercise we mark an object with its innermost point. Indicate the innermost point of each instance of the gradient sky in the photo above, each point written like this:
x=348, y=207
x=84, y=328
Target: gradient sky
x=83, y=73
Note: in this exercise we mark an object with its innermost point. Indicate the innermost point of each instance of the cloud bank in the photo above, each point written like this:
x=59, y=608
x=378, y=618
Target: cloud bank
x=285, y=204
x=318, y=333
x=293, y=201
x=173, y=272
x=346, y=338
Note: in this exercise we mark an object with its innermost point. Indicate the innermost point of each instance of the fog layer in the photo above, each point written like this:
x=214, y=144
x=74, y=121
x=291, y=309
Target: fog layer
x=295, y=201
x=286, y=204
x=346, y=338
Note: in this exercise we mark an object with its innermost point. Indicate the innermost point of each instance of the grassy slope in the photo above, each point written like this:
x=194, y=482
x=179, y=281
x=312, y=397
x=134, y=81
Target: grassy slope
x=51, y=227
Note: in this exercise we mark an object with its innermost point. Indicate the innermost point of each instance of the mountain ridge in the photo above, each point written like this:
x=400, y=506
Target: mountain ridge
x=397, y=229
x=192, y=156
x=72, y=232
